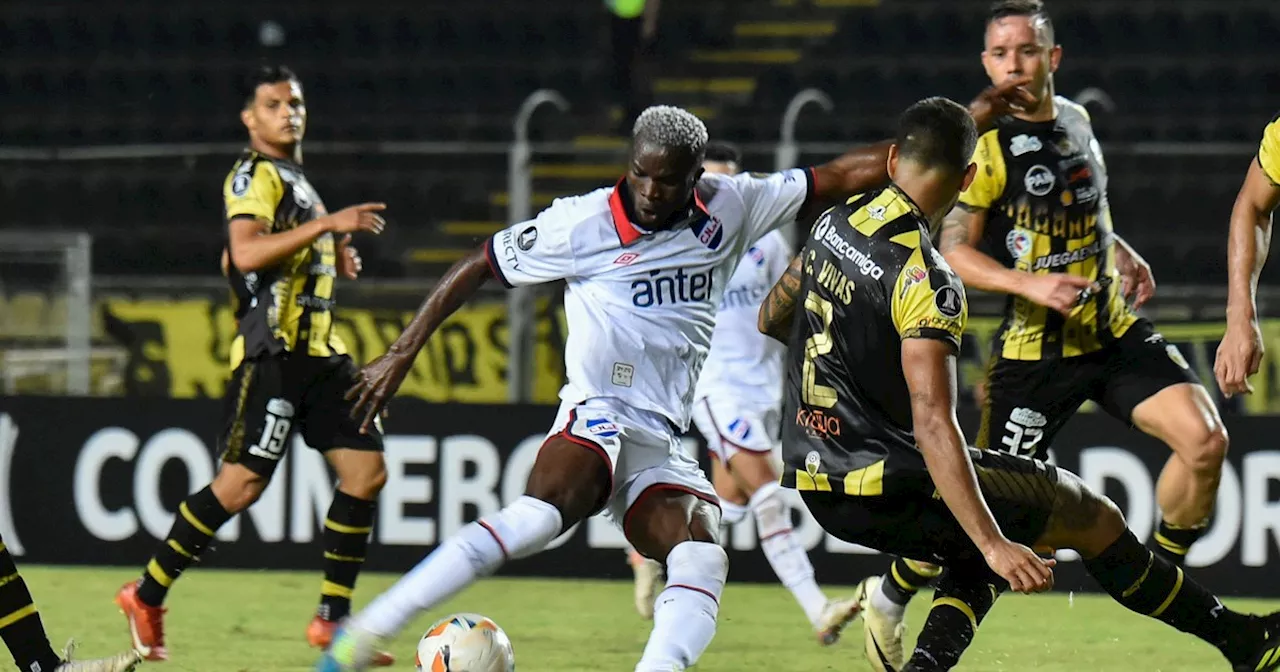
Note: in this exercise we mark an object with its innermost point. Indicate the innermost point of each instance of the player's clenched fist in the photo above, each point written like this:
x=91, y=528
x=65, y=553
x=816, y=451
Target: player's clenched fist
x=1239, y=356
x=1025, y=571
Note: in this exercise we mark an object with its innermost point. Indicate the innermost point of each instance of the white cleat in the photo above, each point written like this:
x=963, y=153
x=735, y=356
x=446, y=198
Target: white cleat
x=648, y=576
x=121, y=662
x=883, y=634
x=835, y=616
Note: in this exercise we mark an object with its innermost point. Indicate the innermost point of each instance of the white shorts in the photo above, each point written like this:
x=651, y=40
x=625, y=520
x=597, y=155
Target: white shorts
x=729, y=428
x=643, y=450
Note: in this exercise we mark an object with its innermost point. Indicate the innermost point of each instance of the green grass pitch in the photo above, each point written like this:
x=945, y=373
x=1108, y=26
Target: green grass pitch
x=222, y=621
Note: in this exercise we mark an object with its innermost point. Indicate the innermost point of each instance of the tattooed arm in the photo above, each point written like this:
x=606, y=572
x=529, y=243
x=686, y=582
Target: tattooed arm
x=780, y=305
x=961, y=231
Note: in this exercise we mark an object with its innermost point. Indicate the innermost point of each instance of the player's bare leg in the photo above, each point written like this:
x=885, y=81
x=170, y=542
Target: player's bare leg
x=1131, y=574
x=361, y=475
x=233, y=490
x=756, y=476
x=681, y=531
x=733, y=498
x=733, y=510
x=1186, y=419
x=568, y=482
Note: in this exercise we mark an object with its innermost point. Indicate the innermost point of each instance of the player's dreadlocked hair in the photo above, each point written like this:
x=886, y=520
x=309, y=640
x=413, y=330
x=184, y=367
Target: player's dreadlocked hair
x=937, y=132
x=671, y=127
x=266, y=74
x=1029, y=8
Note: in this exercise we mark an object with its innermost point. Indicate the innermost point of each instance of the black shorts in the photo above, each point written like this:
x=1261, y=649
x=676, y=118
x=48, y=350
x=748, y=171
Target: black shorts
x=1021, y=493
x=1028, y=402
x=271, y=397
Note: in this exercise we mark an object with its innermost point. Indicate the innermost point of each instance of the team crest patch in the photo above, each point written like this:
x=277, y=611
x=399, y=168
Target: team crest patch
x=1018, y=242
x=739, y=429
x=602, y=428
x=240, y=184
x=812, y=462
x=710, y=232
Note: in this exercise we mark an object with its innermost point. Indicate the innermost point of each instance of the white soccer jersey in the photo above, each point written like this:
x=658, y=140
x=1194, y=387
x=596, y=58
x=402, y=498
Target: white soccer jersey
x=641, y=306
x=744, y=364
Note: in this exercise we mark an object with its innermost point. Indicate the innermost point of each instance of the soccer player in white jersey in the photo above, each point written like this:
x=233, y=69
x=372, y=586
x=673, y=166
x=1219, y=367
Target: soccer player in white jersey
x=645, y=264
x=737, y=405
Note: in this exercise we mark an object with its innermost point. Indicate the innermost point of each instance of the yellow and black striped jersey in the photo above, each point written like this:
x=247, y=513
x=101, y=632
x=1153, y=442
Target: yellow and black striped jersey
x=287, y=308
x=1044, y=187
x=871, y=278
x=1269, y=150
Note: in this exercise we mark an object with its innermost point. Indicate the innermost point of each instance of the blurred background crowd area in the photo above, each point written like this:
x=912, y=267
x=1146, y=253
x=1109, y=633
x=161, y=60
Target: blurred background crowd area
x=121, y=122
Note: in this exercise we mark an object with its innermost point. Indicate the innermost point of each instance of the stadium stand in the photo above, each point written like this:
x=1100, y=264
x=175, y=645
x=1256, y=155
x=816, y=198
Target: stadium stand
x=75, y=74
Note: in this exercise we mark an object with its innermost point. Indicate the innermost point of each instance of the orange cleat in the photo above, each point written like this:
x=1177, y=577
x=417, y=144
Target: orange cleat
x=320, y=635
x=146, y=623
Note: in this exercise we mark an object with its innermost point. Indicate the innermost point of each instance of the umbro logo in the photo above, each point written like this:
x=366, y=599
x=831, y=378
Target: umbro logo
x=626, y=258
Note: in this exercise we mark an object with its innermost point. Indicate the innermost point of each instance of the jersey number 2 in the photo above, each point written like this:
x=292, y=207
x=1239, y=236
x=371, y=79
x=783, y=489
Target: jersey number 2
x=817, y=345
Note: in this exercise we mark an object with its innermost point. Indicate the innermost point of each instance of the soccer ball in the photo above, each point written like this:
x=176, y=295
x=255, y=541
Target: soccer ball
x=465, y=643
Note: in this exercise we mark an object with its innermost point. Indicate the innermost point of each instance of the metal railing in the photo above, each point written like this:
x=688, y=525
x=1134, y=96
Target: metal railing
x=521, y=151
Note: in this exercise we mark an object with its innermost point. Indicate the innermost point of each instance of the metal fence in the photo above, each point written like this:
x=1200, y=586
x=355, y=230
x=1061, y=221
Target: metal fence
x=522, y=201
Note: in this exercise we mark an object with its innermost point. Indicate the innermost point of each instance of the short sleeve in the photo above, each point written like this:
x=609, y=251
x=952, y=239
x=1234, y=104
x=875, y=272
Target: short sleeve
x=774, y=199
x=1269, y=151
x=537, y=251
x=779, y=255
x=989, y=180
x=928, y=302
x=254, y=194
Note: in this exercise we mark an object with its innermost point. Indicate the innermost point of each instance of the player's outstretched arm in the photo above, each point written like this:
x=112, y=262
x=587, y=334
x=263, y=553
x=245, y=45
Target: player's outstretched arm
x=378, y=381
x=1240, y=353
x=779, y=306
x=866, y=168
x=930, y=369
x=958, y=239
x=254, y=248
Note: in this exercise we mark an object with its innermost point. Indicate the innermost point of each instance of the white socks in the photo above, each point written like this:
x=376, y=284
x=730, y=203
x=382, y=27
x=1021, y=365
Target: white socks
x=731, y=513
x=519, y=530
x=785, y=554
x=881, y=602
x=684, y=617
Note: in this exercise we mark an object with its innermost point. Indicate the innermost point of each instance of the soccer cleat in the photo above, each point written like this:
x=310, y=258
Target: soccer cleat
x=352, y=650
x=146, y=623
x=882, y=635
x=320, y=634
x=648, y=575
x=835, y=616
x=1267, y=657
x=121, y=662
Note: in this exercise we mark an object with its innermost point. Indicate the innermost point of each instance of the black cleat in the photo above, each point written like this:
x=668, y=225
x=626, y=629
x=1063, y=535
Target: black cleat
x=1267, y=657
